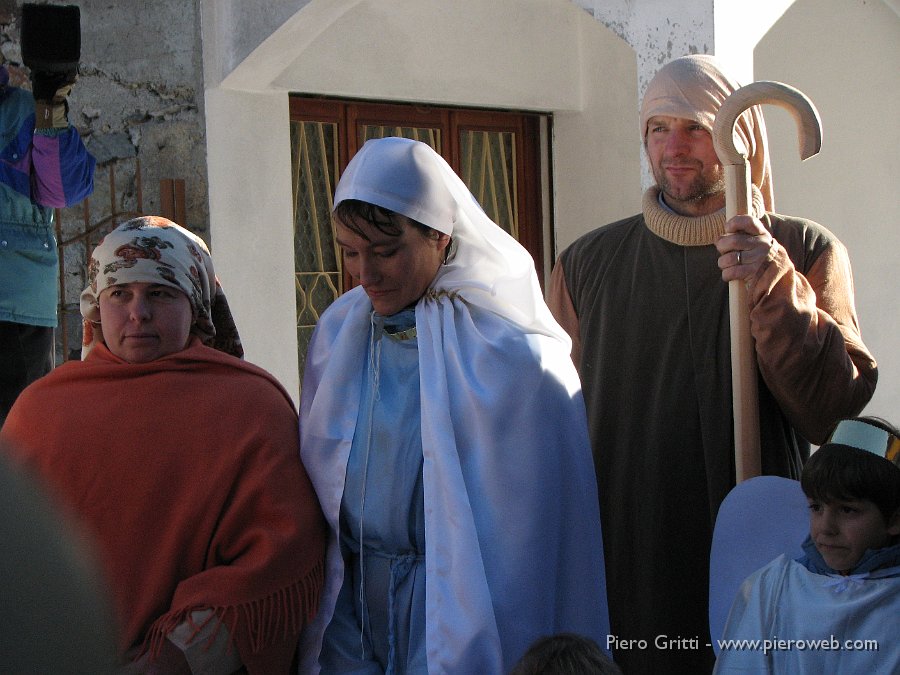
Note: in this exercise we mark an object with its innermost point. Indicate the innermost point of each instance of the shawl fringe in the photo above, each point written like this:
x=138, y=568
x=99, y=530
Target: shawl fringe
x=257, y=624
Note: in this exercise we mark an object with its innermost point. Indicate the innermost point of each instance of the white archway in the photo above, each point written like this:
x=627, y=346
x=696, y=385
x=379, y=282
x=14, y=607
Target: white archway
x=542, y=55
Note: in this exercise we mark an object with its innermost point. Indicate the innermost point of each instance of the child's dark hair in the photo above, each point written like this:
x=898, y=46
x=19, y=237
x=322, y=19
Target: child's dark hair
x=349, y=211
x=840, y=472
x=565, y=654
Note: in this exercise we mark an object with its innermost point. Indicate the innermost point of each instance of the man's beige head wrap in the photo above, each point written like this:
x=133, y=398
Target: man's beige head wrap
x=694, y=87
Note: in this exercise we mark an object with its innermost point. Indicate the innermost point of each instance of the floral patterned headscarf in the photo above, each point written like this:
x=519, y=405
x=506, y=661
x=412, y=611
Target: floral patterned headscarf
x=155, y=250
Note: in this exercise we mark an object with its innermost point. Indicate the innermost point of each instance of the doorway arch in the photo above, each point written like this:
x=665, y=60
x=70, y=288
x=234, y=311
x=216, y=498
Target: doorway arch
x=543, y=55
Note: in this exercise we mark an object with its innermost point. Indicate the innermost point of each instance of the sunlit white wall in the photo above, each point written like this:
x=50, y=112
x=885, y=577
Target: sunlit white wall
x=845, y=55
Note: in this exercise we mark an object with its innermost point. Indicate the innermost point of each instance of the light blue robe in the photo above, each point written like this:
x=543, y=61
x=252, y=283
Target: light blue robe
x=832, y=617
x=379, y=620
x=513, y=547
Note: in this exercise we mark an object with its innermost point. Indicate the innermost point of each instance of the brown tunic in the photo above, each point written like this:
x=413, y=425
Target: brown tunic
x=645, y=304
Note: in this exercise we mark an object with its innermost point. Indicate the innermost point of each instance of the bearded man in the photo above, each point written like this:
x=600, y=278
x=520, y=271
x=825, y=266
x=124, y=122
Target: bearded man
x=645, y=301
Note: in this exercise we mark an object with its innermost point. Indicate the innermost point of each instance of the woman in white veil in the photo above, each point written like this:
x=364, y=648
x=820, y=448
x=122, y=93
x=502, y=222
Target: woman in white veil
x=443, y=427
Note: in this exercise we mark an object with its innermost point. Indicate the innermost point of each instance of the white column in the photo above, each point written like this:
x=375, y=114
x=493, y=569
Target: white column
x=249, y=154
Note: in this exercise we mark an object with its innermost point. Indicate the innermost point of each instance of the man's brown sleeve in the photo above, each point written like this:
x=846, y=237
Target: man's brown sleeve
x=560, y=302
x=808, y=342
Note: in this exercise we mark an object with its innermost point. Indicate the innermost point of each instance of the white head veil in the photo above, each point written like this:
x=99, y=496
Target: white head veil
x=486, y=267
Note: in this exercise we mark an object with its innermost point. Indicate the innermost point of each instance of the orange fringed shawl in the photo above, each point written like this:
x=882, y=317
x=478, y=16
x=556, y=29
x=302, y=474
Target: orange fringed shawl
x=186, y=472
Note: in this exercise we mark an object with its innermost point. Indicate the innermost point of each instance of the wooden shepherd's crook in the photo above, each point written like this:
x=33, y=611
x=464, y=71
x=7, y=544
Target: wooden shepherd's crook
x=737, y=202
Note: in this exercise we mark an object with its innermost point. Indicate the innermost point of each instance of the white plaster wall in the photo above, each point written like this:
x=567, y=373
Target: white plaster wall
x=463, y=53
x=234, y=28
x=248, y=138
x=540, y=55
x=845, y=55
x=739, y=26
x=596, y=160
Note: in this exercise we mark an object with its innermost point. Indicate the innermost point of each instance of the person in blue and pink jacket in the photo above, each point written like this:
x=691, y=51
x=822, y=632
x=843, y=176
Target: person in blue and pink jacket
x=43, y=165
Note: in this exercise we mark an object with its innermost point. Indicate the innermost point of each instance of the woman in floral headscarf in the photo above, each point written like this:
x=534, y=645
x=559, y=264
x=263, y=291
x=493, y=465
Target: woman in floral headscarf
x=181, y=461
x=443, y=428
x=156, y=251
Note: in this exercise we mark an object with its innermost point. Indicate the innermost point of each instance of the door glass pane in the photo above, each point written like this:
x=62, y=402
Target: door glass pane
x=314, y=158
x=426, y=135
x=488, y=168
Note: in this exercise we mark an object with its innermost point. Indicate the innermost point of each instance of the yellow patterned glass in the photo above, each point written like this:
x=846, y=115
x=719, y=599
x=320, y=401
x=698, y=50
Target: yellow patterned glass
x=488, y=168
x=314, y=159
x=426, y=135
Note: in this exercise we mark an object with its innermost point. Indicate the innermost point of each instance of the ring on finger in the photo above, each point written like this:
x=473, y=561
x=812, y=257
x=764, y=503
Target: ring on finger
x=739, y=257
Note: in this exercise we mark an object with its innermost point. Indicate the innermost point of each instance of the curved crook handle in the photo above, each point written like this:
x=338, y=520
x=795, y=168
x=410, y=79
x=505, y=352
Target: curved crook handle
x=809, y=125
x=745, y=400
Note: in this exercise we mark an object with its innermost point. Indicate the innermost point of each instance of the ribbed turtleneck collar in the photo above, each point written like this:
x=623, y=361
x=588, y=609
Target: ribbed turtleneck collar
x=688, y=230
